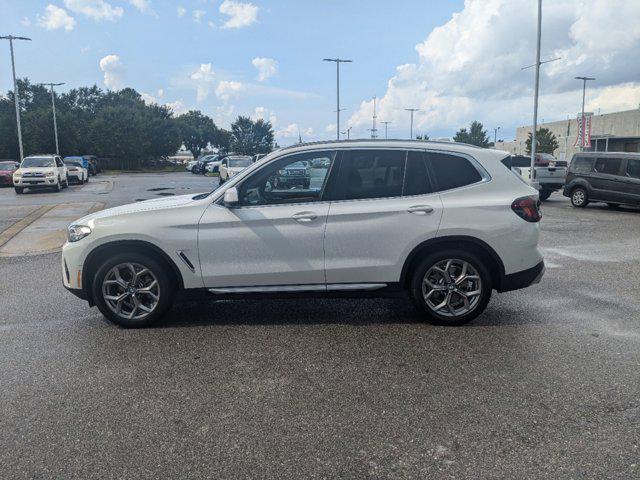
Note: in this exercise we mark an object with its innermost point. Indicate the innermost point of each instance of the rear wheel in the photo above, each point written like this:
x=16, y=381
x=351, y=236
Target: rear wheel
x=545, y=194
x=579, y=197
x=451, y=287
x=133, y=289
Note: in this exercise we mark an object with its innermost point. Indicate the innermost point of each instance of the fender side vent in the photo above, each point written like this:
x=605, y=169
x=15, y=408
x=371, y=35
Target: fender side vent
x=186, y=260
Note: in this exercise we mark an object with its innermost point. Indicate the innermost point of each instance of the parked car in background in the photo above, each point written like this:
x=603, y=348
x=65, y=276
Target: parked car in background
x=190, y=165
x=444, y=224
x=296, y=175
x=213, y=164
x=200, y=167
x=77, y=170
x=232, y=165
x=7, y=167
x=41, y=171
x=549, y=173
x=610, y=177
x=92, y=164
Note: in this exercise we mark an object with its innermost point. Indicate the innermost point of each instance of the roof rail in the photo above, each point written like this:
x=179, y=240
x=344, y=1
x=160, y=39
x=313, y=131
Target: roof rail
x=374, y=140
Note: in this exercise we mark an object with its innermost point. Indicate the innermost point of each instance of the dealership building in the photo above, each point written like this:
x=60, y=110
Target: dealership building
x=610, y=132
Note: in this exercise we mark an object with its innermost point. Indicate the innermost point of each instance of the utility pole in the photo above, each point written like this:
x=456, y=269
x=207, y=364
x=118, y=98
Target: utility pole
x=374, y=130
x=386, y=129
x=495, y=136
x=337, y=61
x=582, y=122
x=347, y=132
x=16, y=94
x=412, y=110
x=53, y=107
x=535, y=97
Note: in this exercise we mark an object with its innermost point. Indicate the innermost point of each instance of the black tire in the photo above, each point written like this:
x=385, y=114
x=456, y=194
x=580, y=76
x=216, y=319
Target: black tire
x=579, y=197
x=163, y=275
x=66, y=183
x=58, y=186
x=222, y=180
x=306, y=184
x=545, y=194
x=19, y=190
x=431, y=315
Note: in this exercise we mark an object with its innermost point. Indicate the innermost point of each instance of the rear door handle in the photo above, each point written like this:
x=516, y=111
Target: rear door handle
x=420, y=209
x=304, y=217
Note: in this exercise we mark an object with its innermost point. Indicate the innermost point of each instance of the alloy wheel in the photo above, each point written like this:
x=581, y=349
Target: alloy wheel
x=578, y=197
x=131, y=291
x=452, y=287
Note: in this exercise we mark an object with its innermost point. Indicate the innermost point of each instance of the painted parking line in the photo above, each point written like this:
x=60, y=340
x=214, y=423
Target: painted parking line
x=47, y=233
x=13, y=230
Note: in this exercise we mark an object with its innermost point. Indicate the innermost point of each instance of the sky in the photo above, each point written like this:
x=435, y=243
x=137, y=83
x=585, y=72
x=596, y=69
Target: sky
x=455, y=61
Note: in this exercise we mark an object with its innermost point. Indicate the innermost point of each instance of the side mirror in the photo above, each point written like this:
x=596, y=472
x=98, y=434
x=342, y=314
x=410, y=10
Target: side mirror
x=231, y=197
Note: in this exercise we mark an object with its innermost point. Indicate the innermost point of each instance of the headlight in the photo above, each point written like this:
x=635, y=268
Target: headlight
x=17, y=175
x=77, y=232
x=49, y=174
x=282, y=172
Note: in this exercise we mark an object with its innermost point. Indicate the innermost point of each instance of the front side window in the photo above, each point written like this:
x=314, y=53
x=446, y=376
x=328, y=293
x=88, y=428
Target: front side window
x=610, y=166
x=581, y=165
x=371, y=174
x=297, y=178
x=633, y=168
x=452, y=171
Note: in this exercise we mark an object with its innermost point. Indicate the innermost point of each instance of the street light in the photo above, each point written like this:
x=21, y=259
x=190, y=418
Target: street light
x=582, y=126
x=495, y=136
x=535, y=96
x=386, y=129
x=16, y=94
x=347, y=132
x=337, y=61
x=53, y=107
x=412, y=110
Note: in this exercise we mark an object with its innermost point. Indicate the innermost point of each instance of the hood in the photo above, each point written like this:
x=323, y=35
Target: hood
x=138, y=207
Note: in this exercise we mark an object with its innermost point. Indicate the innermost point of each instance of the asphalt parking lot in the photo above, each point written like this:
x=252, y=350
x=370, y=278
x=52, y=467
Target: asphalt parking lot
x=544, y=384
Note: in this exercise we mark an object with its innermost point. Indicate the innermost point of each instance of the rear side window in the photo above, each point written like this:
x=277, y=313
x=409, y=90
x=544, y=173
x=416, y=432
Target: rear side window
x=581, y=165
x=371, y=174
x=416, y=179
x=520, y=161
x=633, y=168
x=452, y=171
x=609, y=166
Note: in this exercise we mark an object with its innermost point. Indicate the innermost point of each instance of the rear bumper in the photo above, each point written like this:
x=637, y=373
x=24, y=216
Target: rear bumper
x=523, y=279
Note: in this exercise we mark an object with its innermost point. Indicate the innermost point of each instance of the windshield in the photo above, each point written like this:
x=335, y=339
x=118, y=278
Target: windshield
x=7, y=165
x=75, y=163
x=239, y=162
x=38, y=162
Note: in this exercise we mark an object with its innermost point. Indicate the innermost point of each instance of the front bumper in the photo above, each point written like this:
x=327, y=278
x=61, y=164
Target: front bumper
x=523, y=279
x=35, y=182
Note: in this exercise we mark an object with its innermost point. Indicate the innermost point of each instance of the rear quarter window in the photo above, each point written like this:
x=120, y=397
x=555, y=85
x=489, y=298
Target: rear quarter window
x=610, y=166
x=452, y=171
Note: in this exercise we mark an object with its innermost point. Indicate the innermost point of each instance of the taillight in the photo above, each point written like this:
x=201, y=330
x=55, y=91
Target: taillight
x=527, y=208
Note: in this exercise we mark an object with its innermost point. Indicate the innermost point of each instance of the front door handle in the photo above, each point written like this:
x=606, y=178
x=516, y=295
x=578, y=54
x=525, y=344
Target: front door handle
x=304, y=217
x=420, y=209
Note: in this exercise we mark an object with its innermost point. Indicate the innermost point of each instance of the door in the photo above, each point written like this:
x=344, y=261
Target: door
x=274, y=236
x=62, y=170
x=632, y=181
x=382, y=207
x=607, y=182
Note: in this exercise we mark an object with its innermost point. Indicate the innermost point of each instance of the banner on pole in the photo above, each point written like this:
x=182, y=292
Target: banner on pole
x=584, y=130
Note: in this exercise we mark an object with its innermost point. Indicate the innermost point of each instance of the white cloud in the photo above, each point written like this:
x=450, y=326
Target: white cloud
x=470, y=67
x=261, y=113
x=203, y=79
x=267, y=67
x=112, y=68
x=331, y=128
x=95, y=9
x=197, y=15
x=55, y=18
x=25, y=22
x=223, y=115
x=148, y=98
x=177, y=107
x=227, y=89
x=143, y=5
x=240, y=14
x=181, y=11
x=293, y=130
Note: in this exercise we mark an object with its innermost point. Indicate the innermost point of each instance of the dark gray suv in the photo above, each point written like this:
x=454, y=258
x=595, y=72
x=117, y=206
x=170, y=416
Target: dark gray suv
x=610, y=177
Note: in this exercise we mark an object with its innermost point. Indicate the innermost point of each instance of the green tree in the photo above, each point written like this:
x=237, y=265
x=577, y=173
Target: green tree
x=545, y=140
x=197, y=131
x=476, y=135
x=249, y=137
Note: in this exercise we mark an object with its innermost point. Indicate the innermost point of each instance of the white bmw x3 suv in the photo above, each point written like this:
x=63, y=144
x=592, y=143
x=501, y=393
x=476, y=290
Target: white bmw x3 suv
x=443, y=223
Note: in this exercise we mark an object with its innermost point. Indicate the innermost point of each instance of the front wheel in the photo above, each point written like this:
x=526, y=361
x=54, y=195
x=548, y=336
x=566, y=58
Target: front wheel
x=58, y=186
x=579, y=197
x=133, y=289
x=19, y=190
x=451, y=287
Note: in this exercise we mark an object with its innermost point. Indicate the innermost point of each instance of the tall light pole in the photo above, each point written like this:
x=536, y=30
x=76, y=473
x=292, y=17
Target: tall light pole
x=53, y=107
x=535, y=96
x=386, y=129
x=337, y=61
x=495, y=136
x=374, y=130
x=412, y=110
x=347, y=132
x=582, y=126
x=16, y=94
